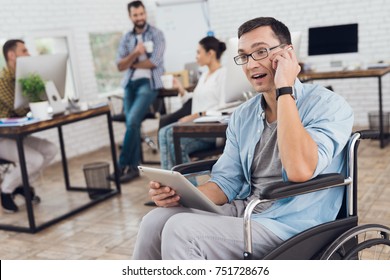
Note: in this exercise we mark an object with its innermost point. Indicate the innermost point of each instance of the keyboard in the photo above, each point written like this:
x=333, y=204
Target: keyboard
x=378, y=65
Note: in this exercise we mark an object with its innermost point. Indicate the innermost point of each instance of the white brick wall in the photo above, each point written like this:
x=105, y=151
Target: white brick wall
x=19, y=17
x=373, y=18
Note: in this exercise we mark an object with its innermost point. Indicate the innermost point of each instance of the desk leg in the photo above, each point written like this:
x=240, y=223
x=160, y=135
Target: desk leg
x=63, y=158
x=113, y=152
x=23, y=170
x=381, y=132
x=176, y=144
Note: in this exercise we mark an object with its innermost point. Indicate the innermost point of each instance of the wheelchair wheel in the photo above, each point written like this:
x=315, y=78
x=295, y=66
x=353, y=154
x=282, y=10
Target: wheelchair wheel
x=365, y=242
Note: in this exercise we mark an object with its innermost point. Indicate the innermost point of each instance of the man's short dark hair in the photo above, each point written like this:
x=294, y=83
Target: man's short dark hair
x=10, y=45
x=280, y=29
x=135, y=4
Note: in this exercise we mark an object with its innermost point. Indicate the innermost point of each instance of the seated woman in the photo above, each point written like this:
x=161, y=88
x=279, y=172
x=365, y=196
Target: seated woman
x=207, y=95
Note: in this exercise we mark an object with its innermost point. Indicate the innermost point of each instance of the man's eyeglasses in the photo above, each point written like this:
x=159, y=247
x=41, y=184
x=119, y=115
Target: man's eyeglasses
x=256, y=55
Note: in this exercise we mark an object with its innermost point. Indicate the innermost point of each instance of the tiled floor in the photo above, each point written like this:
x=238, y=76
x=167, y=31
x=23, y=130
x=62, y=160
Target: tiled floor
x=108, y=230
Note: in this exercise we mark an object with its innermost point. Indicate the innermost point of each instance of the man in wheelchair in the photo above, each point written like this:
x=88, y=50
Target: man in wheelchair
x=289, y=132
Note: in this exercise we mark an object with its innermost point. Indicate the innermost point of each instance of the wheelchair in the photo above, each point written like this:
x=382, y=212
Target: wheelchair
x=341, y=239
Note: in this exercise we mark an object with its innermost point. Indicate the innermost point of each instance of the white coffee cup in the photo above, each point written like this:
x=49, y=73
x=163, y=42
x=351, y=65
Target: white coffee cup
x=148, y=46
x=167, y=81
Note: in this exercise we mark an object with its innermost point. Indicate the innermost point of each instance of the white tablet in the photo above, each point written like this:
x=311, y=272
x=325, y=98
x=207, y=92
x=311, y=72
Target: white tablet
x=190, y=196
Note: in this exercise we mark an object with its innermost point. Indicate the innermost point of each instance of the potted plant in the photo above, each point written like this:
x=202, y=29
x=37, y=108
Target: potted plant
x=33, y=88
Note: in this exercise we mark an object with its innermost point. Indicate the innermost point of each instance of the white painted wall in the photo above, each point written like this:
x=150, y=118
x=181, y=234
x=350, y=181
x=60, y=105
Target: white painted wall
x=19, y=17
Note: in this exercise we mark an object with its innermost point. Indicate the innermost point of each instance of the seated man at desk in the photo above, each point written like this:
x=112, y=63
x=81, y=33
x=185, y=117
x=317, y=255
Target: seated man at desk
x=289, y=132
x=208, y=95
x=39, y=152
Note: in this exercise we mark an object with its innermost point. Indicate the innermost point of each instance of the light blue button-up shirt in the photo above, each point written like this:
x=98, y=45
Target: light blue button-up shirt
x=328, y=119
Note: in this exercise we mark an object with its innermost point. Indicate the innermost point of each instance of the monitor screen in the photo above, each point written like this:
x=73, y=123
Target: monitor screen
x=333, y=39
x=236, y=84
x=51, y=67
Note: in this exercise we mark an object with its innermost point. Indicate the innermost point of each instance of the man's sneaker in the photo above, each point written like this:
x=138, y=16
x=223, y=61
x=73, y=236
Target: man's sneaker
x=126, y=174
x=8, y=203
x=34, y=198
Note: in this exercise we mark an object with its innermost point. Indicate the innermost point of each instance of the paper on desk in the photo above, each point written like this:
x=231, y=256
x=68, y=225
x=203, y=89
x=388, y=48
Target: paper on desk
x=211, y=119
x=17, y=121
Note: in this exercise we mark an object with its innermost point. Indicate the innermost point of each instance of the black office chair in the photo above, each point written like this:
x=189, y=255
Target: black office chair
x=340, y=239
x=156, y=110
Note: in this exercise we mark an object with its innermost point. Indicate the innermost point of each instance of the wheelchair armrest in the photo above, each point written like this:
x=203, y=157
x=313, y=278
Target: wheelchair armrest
x=283, y=190
x=195, y=167
x=286, y=189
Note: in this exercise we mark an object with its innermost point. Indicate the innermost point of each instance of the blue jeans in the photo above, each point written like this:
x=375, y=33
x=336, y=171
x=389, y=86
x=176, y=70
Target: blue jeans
x=138, y=97
x=188, y=146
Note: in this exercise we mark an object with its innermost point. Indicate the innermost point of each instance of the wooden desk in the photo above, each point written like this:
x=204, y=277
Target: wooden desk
x=18, y=133
x=163, y=92
x=368, y=73
x=195, y=130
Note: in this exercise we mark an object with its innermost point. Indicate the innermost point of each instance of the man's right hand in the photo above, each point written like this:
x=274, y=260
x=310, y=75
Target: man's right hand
x=140, y=49
x=162, y=195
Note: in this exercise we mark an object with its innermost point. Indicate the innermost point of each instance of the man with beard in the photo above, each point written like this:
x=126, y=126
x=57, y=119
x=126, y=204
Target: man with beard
x=140, y=55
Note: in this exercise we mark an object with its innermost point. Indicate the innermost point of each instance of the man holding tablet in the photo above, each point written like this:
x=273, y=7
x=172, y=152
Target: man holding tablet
x=39, y=152
x=289, y=132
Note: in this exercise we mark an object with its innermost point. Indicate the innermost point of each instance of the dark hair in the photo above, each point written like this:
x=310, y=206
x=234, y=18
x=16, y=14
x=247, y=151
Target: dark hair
x=212, y=43
x=280, y=29
x=135, y=4
x=10, y=45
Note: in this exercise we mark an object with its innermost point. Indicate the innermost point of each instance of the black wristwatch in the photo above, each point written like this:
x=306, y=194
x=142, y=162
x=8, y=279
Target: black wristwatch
x=283, y=91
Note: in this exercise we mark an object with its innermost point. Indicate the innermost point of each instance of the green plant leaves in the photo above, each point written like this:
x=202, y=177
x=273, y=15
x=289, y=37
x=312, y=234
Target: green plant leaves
x=33, y=88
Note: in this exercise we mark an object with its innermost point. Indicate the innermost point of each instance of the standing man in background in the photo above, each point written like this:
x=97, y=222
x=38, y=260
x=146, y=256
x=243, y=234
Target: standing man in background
x=38, y=152
x=140, y=54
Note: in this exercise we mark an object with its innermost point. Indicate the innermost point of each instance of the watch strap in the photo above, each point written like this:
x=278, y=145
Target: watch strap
x=283, y=91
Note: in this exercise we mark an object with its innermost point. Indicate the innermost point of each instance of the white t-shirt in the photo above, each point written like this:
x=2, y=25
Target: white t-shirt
x=141, y=73
x=209, y=93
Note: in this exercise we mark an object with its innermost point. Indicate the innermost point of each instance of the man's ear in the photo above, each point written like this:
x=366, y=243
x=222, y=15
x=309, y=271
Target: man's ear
x=11, y=55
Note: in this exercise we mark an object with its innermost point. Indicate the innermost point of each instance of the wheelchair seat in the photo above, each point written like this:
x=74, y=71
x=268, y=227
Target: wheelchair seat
x=339, y=239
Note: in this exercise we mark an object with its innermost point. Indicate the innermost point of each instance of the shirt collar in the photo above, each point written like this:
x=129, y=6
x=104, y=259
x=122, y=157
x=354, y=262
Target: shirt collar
x=9, y=72
x=145, y=29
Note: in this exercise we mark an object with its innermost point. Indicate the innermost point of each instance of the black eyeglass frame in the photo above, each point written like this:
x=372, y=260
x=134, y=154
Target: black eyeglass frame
x=251, y=54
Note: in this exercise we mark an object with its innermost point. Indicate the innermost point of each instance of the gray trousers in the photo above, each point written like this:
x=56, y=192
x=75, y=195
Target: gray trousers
x=38, y=153
x=182, y=234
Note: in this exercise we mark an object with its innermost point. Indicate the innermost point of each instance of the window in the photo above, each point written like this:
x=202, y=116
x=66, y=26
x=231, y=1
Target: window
x=104, y=48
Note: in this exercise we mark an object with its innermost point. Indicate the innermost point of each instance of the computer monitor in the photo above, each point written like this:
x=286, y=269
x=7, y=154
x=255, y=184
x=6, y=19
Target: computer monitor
x=51, y=67
x=237, y=84
x=333, y=39
x=296, y=37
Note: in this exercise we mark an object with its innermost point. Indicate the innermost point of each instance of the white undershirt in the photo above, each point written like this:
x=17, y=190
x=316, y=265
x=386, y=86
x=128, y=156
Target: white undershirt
x=141, y=73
